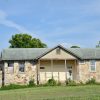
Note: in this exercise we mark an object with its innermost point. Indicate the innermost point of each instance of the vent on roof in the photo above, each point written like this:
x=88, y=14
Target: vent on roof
x=58, y=51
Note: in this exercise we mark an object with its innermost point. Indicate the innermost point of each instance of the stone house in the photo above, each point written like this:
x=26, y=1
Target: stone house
x=20, y=65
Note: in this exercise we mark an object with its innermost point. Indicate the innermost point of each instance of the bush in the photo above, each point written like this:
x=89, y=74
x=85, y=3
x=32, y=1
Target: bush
x=91, y=81
x=70, y=82
x=13, y=86
x=59, y=83
x=80, y=83
x=31, y=83
x=51, y=82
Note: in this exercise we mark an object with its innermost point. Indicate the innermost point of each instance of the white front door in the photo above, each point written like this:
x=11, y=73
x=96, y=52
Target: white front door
x=69, y=72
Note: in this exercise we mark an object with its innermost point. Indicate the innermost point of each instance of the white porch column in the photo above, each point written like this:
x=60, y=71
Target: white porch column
x=65, y=70
x=78, y=71
x=52, y=67
x=39, y=71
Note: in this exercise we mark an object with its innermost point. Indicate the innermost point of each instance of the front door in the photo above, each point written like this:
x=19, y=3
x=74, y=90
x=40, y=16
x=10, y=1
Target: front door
x=69, y=72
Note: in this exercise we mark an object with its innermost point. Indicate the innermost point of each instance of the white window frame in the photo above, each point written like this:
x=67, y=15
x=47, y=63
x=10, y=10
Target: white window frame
x=92, y=65
x=81, y=62
x=23, y=62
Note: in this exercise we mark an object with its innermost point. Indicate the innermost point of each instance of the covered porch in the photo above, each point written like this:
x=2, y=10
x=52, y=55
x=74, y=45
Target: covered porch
x=58, y=69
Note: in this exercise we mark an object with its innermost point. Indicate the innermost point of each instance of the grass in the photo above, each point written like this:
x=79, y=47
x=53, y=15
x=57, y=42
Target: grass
x=88, y=92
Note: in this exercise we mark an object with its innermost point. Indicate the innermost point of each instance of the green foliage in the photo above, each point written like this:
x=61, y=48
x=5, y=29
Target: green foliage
x=70, y=82
x=98, y=45
x=86, y=92
x=31, y=83
x=51, y=82
x=74, y=46
x=25, y=41
x=80, y=83
x=13, y=86
x=16, y=86
x=91, y=81
x=59, y=83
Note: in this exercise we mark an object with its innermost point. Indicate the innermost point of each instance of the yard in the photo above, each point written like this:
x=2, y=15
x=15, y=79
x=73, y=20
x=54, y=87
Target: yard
x=88, y=92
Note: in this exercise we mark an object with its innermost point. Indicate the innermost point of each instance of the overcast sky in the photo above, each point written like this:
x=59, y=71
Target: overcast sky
x=66, y=22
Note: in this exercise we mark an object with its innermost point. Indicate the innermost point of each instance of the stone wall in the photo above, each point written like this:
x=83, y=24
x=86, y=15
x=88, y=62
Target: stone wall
x=13, y=76
x=85, y=72
x=82, y=72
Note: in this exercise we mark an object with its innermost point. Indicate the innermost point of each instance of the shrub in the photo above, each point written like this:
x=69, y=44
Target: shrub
x=31, y=83
x=16, y=86
x=80, y=83
x=91, y=81
x=51, y=82
x=13, y=86
x=70, y=82
x=97, y=83
x=59, y=83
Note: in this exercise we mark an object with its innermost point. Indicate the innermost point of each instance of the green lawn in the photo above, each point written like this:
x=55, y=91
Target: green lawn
x=89, y=92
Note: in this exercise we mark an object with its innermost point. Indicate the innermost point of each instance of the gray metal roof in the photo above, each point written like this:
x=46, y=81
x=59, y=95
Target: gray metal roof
x=87, y=53
x=33, y=53
x=22, y=53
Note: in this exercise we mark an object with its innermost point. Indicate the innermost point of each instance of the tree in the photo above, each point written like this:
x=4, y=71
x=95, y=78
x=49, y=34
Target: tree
x=98, y=45
x=74, y=46
x=24, y=40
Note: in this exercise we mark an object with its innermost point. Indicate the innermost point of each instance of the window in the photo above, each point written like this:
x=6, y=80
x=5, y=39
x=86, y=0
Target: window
x=21, y=66
x=10, y=64
x=10, y=67
x=81, y=62
x=92, y=65
x=0, y=68
x=58, y=50
x=42, y=67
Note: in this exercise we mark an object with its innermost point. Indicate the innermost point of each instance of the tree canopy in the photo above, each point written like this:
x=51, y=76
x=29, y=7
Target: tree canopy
x=98, y=45
x=24, y=40
x=74, y=46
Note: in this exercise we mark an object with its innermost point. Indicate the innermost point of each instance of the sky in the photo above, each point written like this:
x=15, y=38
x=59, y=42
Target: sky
x=65, y=22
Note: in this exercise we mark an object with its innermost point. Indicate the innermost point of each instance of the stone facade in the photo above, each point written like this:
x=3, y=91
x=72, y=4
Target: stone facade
x=81, y=72
x=13, y=76
x=50, y=65
x=86, y=74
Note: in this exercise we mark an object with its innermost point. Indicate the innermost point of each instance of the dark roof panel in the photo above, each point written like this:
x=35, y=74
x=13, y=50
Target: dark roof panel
x=22, y=53
x=87, y=53
x=33, y=53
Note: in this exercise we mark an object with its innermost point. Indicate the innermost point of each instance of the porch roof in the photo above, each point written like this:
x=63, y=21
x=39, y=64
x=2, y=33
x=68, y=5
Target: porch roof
x=36, y=53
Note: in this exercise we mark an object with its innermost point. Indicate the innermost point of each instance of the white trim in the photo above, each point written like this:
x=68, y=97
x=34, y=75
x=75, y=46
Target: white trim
x=90, y=66
x=52, y=67
x=65, y=70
